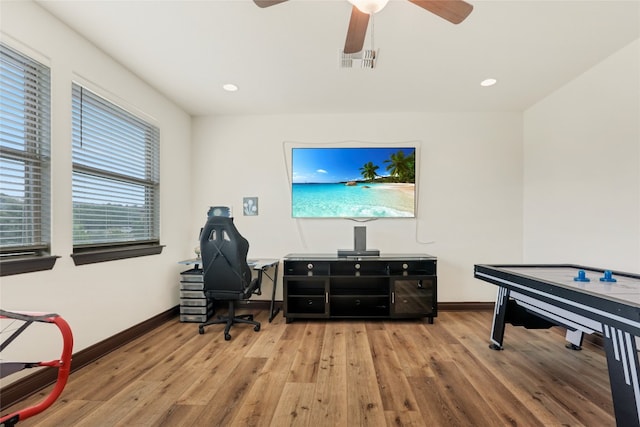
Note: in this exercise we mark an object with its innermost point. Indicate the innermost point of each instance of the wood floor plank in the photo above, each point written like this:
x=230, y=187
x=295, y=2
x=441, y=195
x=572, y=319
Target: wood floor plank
x=117, y=409
x=264, y=343
x=67, y=413
x=258, y=407
x=226, y=398
x=329, y=407
x=294, y=407
x=216, y=362
x=412, y=357
x=180, y=415
x=364, y=402
x=404, y=419
x=395, y=391
x=306, y=363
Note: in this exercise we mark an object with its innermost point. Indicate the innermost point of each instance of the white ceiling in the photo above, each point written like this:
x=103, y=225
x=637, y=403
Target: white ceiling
x=285, y=58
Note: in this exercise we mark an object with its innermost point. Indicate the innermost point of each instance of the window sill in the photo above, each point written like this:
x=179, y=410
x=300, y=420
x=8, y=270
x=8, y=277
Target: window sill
x=9, y=267
x=112, y=254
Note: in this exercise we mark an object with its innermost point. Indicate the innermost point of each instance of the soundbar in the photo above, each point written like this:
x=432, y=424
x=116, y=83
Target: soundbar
x=353, y=252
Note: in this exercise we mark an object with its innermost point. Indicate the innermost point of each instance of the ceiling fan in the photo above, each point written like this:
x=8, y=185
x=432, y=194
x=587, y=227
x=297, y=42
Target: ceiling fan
x=454, y=11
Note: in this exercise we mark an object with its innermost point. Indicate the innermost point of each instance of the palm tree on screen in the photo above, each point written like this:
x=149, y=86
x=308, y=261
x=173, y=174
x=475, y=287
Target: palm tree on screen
x=401, y=166
x=368, y=171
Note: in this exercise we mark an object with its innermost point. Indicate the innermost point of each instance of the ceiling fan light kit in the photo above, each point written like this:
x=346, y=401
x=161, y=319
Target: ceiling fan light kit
x=369, y=6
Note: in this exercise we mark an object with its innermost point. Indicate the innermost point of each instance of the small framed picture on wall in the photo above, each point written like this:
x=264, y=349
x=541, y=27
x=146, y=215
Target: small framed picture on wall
x=250, y=206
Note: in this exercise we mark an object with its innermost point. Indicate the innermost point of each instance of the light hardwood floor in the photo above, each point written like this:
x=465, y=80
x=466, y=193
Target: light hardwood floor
x=339, y=373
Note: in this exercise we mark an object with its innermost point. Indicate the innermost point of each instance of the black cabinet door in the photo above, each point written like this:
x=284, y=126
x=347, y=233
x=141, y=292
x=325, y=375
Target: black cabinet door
x=413, y=296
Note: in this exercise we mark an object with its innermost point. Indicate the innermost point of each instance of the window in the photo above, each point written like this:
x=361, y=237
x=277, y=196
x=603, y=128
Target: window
x=24, y=164
x=115, y=181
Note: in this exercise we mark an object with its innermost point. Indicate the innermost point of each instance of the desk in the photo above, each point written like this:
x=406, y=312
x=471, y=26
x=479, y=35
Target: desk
x=610, y=308
x=261, y=266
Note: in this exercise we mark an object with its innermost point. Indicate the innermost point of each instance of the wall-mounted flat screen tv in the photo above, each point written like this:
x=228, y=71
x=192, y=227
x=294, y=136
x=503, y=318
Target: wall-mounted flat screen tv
x=353, y=182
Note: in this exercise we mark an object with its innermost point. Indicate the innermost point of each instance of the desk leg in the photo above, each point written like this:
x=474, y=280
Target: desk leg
x=499, y=314
x=622, y=361
x=274, y=312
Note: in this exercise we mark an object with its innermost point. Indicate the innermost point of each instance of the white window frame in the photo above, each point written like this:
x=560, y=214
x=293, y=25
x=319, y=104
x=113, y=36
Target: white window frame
x=25, y=163
x=116, y=180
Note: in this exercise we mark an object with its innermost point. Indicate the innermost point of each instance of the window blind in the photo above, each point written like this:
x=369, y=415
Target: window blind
x=24, y=154
x=115, y=174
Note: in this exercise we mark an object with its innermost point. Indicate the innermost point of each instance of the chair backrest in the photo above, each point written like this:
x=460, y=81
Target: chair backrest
x=224, y=257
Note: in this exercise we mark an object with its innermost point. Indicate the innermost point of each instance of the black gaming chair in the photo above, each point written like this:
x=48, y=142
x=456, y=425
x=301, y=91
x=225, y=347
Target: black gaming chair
x=227, y=276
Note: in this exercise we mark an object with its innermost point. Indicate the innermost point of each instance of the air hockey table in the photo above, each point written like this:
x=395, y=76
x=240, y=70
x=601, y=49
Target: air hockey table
x=585, y=300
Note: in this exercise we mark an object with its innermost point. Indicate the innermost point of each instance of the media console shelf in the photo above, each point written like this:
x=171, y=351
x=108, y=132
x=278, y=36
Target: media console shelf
x=325, y=286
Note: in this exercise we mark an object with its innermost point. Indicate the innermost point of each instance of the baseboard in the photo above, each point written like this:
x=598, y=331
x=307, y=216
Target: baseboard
x=26, y=386
x=442, y=306
x=465, y=306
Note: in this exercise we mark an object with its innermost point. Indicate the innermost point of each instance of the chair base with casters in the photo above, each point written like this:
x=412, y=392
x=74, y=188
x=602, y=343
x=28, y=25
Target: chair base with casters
x=229, y=320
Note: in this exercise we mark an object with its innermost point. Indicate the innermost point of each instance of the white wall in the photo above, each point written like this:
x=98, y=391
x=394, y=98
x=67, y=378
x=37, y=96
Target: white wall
x=581, y=169
x=470, y=187
x=98, y=300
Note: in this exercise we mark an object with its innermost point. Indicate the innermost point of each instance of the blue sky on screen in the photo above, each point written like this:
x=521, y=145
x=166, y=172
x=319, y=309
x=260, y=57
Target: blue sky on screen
x=327, y=165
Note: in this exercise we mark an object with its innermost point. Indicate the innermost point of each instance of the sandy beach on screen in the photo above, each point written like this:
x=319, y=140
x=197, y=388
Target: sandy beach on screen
x=407, y=188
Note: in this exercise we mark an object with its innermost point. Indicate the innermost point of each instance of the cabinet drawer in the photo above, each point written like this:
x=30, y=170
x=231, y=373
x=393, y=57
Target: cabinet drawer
x=192, y=294
x=193, y=275
x=186, y=309
x=409, y=267
x=197, y=318
x=191, y=286
x=193, y=302
x=358, y=267
x=306, y=268
x=306, y=305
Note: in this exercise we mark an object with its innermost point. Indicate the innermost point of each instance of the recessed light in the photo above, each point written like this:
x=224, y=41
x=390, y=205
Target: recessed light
x=230, y=87
x=488, y=82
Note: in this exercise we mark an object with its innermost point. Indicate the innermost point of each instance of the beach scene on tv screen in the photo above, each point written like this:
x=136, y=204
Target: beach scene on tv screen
x=353, y=182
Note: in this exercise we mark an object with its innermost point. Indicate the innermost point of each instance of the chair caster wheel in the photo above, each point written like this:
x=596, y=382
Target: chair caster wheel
x=256, y=328
x=227, y=337
x=200, y=330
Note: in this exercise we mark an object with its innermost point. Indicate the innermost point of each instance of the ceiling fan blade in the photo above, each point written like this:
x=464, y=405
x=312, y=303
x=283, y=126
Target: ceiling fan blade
x=357, y=31
x=267, y=3
x=454, y=11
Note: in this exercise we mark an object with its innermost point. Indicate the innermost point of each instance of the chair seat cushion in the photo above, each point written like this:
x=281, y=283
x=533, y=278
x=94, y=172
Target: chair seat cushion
x=233, y=295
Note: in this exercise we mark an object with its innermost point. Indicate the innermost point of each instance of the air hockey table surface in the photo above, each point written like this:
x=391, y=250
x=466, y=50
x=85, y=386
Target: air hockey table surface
x=625, y=289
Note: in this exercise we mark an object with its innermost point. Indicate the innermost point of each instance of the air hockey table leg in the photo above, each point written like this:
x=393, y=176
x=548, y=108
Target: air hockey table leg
x=622, y=362
x=574, y=339
x=499, y=319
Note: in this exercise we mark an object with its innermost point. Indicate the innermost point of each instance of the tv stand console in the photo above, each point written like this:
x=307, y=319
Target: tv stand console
x=324, y=286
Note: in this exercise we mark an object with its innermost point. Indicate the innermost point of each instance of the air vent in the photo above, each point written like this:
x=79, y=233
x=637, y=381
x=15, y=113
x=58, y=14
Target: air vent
x=363, y=59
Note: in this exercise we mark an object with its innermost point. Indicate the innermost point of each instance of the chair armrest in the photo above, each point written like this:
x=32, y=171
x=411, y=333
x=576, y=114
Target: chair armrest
x=257, y=283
